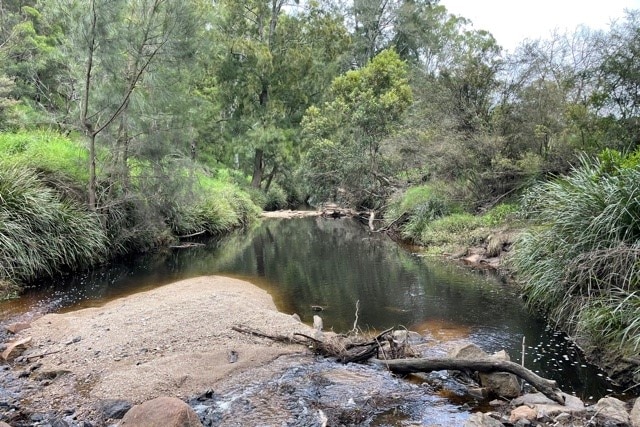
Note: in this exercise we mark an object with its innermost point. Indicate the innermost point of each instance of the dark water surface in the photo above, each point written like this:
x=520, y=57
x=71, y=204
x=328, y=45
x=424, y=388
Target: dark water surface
x=334, y=264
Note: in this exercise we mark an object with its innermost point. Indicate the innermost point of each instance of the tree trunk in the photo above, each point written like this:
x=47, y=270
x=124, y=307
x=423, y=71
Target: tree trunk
x=258, y=168
x=270, y=177
x=92, y=172
x=406, y=366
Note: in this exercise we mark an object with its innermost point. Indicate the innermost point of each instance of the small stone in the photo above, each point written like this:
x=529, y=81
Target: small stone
x=73, y=340
x=114, y=408
x=523, y=412
x=482, y=420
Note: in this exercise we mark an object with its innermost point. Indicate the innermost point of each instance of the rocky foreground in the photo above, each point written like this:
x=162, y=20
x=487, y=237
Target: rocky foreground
x=159, y=355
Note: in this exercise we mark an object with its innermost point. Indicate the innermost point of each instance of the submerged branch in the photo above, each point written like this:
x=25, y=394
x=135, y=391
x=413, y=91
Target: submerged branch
x=406, y=366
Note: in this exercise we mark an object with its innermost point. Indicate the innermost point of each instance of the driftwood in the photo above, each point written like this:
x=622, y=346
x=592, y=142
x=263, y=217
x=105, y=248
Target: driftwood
x=278, y=338
x=406, y=366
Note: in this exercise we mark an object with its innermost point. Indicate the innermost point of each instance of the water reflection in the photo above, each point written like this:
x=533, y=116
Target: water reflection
x=333, y=264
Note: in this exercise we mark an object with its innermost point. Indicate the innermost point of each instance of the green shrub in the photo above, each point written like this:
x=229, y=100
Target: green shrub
x=455, y=228
x=40, y=232
x=500, y=214
x=276, y=198
x=420, y=205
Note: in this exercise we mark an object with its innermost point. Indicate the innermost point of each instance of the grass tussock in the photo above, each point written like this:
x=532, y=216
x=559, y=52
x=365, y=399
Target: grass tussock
x=40, y=232
x=428, y=218
x=46, y=227
x=581, y=263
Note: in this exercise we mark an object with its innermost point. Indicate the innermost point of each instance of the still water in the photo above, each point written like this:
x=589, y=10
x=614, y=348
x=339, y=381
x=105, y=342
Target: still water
x=338, y=264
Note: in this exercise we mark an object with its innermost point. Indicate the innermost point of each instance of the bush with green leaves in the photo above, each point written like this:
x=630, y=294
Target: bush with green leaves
x=418, y=206
x=580, y=263
x=41, y=232
x=276, y=198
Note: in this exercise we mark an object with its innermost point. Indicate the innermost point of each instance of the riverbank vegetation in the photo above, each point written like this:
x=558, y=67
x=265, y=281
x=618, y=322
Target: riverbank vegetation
x=158, y=119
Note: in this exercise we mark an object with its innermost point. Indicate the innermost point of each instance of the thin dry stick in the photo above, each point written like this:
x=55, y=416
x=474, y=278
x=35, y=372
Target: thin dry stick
x=355, y=322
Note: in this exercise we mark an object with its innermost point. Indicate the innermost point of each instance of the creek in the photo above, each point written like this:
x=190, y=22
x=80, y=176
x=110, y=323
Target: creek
x=338, y=265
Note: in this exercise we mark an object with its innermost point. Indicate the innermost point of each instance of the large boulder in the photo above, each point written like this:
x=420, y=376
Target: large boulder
x=635, y=414
x=500, y=383
x=161, y=412
x=612, y=412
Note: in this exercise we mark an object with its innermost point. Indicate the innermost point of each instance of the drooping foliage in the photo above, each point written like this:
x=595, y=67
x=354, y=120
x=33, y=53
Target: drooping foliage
x=579, y=263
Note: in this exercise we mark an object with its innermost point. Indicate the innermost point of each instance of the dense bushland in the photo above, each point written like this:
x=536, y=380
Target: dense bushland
x=579, y=262
x=46, y=227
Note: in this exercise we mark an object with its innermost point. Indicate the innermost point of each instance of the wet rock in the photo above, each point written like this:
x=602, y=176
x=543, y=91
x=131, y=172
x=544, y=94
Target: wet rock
x=161, y=412
x=612, y=412
x=523, y=412
x=482, y=420
x=635, y=414
x=114, y=408
x=499, y=383
x=549, y=409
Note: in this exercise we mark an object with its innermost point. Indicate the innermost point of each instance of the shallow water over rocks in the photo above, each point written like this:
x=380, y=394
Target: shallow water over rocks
x=300, y=391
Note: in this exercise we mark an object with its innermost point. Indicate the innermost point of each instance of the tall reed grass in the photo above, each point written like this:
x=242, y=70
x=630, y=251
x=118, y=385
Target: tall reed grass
x=580, y=263
x=42, y=233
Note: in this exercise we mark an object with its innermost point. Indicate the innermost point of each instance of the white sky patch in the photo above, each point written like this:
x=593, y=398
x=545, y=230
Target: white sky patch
x=512, y=21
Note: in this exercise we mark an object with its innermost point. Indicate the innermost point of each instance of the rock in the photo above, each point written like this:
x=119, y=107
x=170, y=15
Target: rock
x=635, y=414
x=161, y=412
x=15, y=346
x=612, y=412
x=14, y=328
x=467, y=351
x=232, y=356
x=523, y=412
x=547, y=408
x=114, y=408
x=296, y=317
x=3, y=424
x=479, y=393
x=482, y=420
x=500, y=383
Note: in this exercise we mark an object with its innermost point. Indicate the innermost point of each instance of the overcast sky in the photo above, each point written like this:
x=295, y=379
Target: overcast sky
x=511, y=21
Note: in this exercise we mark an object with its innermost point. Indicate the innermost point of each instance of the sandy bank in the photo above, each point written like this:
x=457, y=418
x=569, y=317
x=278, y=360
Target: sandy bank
x=172, y=341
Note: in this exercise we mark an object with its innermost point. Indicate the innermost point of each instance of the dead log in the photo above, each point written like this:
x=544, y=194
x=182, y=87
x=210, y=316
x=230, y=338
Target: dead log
x=406, y=366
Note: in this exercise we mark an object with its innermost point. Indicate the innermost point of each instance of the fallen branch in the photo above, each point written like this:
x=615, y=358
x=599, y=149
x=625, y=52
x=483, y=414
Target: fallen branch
x=406, y=366
x=277, y=338
x=33, y=356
